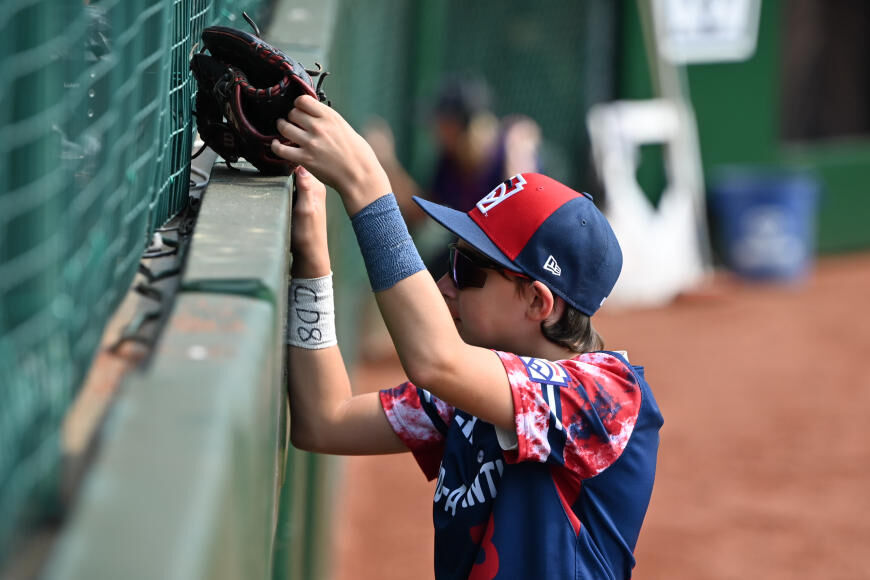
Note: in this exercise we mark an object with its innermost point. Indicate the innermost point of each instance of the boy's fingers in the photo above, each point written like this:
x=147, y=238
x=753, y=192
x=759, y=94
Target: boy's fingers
x=293, y=154
x=304, y=179
x=291, y=131
x=310, y=105
x=307, y=181
x=299, y=118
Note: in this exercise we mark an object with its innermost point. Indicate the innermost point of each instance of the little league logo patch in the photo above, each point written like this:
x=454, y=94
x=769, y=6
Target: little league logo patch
x=544, y=371
x=501, y=193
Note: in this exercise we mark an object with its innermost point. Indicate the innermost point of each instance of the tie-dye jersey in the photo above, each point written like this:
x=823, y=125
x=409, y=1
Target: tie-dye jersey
x=568, y=500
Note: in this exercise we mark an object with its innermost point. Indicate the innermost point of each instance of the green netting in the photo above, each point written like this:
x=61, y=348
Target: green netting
x=549, y=60
x=95, y=140
x=374, y=73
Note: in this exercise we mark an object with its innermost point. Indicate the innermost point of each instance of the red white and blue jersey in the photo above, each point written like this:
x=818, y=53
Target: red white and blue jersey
x=568, y=497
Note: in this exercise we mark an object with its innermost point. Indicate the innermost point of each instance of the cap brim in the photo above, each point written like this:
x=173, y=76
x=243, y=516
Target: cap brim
x=464, y=227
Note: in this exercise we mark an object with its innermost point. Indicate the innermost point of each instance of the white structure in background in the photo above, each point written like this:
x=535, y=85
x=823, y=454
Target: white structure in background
x=665, y=248
x=696, y=31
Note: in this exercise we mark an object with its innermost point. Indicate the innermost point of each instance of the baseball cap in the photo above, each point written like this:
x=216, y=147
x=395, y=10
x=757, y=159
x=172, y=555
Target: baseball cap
x=533, y=224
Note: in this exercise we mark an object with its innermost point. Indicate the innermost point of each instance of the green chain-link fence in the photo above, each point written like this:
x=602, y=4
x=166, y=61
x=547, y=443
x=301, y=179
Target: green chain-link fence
x=548, y=60
x=95, y=144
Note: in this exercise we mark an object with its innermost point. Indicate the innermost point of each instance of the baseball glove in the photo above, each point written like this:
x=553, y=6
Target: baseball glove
x=244, y=86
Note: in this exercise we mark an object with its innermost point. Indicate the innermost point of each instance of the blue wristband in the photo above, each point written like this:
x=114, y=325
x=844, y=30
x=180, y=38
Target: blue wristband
x=386, y=246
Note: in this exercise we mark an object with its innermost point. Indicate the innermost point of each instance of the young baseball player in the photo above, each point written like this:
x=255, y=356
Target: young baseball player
x=544, y=446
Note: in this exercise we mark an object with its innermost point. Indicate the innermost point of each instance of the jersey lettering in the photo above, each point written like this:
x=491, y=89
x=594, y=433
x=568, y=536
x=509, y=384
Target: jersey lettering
x=484, y=488
x=467, y=427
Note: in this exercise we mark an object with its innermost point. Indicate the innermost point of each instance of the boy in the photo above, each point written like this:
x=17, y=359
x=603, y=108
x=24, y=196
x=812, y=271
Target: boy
x=544, y=446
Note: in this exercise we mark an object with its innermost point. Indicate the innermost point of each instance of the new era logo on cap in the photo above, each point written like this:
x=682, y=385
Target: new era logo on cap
x=552, y=266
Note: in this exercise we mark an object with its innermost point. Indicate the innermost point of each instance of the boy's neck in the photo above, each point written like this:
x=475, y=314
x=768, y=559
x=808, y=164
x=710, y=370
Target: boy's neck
x=546, y=349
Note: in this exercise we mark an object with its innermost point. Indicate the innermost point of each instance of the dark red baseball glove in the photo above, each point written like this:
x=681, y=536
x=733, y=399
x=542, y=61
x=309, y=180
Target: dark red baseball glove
x=244, y=86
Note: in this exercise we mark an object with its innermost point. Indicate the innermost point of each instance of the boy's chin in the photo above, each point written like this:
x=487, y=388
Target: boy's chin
x=472, y=340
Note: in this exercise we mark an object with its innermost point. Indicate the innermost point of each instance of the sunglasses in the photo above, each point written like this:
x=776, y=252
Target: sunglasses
x=468, y=271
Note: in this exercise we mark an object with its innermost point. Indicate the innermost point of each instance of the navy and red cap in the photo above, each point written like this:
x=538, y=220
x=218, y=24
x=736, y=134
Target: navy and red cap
x=533, y=224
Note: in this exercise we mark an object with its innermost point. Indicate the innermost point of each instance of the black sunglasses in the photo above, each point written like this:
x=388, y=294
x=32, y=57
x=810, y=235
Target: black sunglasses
x=468, y=271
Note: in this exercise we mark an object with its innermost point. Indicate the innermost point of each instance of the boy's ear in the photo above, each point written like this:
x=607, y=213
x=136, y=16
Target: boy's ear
x=542, y=303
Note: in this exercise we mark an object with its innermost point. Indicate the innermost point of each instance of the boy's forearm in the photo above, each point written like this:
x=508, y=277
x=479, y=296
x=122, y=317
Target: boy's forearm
x=368, y=184
x=436, y=358
x=317, y=379
x=325, y=416
x=313, y=266
x=430, y=348
x=420, y=327
x=318, y=385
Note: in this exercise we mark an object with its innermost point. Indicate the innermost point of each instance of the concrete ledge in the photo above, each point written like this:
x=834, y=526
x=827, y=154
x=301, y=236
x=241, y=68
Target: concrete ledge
x=241, y=242
x=188, y=480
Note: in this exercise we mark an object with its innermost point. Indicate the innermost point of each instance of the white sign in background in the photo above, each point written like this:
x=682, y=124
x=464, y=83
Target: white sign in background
x=706, y=31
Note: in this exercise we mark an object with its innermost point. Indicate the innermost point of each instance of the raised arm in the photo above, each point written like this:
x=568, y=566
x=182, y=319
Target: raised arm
x=432, y=353
x=324, y=415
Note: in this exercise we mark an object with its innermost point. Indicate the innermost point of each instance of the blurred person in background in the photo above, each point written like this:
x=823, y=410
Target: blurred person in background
x=474, y=149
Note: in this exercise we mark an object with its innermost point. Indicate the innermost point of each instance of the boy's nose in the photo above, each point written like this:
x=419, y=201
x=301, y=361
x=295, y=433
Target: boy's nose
x=447, y=287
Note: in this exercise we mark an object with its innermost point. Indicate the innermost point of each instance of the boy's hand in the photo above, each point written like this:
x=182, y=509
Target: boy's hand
x=308, y=228
x=330, y=149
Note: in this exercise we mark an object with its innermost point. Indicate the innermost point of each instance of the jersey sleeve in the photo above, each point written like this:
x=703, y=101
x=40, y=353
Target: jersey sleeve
x=420, y=420
x=577, y=413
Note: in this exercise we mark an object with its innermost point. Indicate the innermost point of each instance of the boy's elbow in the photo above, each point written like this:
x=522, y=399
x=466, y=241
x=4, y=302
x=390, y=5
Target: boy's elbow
x=304, y=439
x=422, y=376
x=299, y=440
x=430, y=370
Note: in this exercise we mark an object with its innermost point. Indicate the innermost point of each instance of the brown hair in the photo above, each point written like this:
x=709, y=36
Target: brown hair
x=573, y=330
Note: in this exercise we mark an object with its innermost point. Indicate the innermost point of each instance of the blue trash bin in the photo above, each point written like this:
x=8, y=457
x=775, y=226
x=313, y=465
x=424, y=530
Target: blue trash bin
x=767, y=222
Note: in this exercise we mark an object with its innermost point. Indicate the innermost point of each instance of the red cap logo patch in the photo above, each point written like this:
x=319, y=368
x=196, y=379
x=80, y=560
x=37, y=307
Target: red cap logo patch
x=518, y=217
x=503, y=191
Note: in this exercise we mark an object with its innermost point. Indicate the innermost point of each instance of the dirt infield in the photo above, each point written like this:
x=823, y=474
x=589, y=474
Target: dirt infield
x=764, y=468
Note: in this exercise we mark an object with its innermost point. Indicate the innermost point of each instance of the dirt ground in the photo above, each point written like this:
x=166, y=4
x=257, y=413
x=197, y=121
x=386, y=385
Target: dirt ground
x=764, y=466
